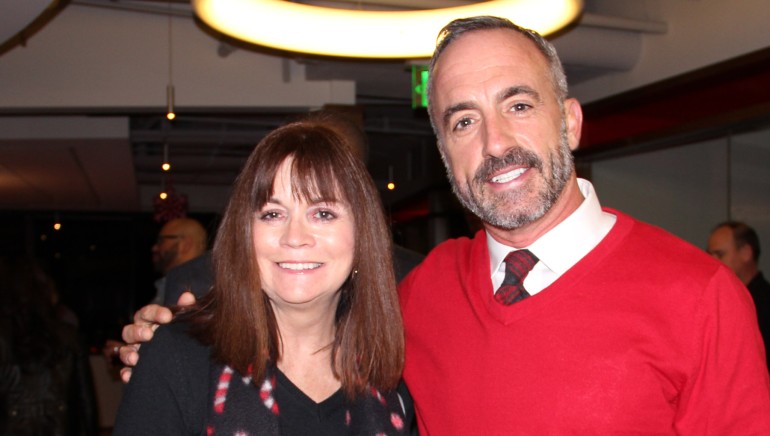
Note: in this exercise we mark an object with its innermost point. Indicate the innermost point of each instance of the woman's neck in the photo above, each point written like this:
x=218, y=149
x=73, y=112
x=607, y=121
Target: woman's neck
x=306, y=345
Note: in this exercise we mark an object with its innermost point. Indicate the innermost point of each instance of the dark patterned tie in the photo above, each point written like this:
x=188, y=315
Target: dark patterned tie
x=517, y=265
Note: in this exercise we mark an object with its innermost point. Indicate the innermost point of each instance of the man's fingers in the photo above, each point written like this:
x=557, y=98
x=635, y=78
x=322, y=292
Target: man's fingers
x=153, y=314
x=129, y=354
x=138, y=333
x=186, y=299
x=125, y=374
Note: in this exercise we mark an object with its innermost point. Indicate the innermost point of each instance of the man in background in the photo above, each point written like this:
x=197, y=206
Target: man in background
x=737, y=245
x=179, y=240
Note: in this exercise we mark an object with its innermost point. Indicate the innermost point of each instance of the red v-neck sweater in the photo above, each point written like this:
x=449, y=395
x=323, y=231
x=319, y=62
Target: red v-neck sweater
x=644, y=335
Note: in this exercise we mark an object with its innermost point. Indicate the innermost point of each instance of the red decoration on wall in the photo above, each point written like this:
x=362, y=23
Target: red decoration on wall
x=174, y=206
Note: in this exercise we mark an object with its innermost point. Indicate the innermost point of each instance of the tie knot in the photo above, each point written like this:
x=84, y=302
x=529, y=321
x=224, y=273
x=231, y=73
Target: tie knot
x=519, y=263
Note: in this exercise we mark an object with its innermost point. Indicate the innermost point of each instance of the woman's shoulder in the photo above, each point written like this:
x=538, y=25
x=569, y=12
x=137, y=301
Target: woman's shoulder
x=174, y=354
x=168, y=390
x=178, y=339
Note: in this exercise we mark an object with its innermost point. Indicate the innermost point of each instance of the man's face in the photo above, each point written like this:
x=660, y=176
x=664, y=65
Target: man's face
x=165, y=250
x=503, y=136
x=721, y=246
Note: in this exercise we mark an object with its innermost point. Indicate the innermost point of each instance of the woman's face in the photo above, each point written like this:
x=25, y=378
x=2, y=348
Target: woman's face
x=304, y=250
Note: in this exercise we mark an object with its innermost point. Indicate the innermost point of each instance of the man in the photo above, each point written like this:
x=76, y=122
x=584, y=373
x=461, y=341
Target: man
x=196, y=276
x=179, y=240
x=620, y=328
x=737, y=245
x=627, y=329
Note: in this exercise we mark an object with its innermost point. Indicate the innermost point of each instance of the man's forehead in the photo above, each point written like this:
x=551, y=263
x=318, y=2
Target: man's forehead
x=481, y=43
x=169, y=227
x=513, y=53
x=721, y=237
x=478, y=62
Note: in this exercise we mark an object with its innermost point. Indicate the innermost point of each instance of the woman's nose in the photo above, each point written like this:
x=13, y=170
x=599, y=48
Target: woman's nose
x=297, y=233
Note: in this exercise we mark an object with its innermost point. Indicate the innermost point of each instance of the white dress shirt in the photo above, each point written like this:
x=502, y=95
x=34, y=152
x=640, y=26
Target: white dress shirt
x=559, y=249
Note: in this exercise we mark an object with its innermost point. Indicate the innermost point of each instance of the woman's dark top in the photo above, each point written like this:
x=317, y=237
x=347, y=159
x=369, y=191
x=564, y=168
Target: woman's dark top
x=176, y=389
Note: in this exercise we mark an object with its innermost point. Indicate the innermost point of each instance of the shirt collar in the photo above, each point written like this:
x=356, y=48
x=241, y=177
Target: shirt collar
x=564, y=245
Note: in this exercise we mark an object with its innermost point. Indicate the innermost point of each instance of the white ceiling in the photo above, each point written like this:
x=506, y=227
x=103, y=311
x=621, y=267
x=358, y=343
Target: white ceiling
x=70, y=142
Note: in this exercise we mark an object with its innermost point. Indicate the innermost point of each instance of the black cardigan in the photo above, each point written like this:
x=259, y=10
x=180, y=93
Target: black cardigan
x=172, y=389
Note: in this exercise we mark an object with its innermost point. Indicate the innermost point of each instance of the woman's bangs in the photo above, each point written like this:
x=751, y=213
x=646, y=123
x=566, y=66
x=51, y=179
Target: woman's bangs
x=313, y=179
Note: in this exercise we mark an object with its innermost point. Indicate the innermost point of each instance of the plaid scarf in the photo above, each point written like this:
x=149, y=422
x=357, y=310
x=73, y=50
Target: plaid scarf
x=233, y=411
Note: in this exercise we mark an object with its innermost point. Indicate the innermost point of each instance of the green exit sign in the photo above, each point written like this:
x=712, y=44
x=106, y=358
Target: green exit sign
x=419, y=86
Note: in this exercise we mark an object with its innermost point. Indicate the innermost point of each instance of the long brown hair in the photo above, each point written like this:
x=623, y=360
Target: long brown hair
x=238, y=321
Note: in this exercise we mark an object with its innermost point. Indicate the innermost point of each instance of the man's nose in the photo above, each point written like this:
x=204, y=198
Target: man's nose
x=497, y=136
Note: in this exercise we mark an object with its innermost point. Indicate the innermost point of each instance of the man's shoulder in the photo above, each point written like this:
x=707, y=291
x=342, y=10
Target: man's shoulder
x=649, y=235
x=448, y=253
x=759, y=284
x=648, y=246
x=197, y=265
x=195, y=275
x=454, y=246
x=454, y=254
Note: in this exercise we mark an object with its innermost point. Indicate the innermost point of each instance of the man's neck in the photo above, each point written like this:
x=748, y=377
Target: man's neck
x=569, y=200
x=748, y=274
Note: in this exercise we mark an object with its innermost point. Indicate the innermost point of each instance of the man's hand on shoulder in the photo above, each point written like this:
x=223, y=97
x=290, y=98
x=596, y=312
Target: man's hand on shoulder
x=146, y=320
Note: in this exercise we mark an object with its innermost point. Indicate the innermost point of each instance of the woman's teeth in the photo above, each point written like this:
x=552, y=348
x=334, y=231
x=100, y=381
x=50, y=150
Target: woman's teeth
x=299, y=266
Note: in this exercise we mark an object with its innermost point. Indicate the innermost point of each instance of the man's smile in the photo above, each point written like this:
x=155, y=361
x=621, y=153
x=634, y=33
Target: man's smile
x=508, y=176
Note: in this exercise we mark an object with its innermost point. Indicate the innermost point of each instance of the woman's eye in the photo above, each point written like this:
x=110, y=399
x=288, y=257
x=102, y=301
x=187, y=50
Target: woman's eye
x=325, y=215
x=269, y=215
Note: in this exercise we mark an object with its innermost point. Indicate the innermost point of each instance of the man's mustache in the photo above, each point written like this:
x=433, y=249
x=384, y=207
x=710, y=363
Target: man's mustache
x=515, y=156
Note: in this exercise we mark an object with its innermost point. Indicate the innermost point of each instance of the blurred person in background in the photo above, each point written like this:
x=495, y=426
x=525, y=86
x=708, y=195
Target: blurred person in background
x=179, y=241
x=45, y=382
x=737, y=245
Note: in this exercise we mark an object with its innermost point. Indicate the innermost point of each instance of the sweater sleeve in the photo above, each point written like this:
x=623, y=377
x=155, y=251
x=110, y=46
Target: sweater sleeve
x=730, y=389
x=168, y=390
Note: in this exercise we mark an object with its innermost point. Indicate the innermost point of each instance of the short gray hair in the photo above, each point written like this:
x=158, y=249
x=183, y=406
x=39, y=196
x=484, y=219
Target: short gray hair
x=457, y=28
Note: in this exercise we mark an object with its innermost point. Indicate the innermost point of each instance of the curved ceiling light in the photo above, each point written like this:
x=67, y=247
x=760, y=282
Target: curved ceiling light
x=366, y=34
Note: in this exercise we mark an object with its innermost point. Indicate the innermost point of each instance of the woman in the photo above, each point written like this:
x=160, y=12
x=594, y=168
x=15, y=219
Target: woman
x=45, y=385
x=302, y=333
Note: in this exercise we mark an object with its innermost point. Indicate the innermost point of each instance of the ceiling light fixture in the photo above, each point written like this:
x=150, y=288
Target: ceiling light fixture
x=163, y=188
x=367, y=34
x=56, y=222
x=391, y=183
x=170, y=114
x=166, y=165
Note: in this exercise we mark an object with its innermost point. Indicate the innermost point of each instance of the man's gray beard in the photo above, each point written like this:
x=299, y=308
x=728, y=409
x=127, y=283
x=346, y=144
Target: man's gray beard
x=493, y=210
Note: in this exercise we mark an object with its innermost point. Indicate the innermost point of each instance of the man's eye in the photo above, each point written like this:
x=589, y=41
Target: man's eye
x=520, y=107
x=463, y=123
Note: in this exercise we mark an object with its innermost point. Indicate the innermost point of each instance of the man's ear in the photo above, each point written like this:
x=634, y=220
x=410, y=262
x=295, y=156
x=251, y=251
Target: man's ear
x=745, y=253
x=574, y=117
x=185, y=246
